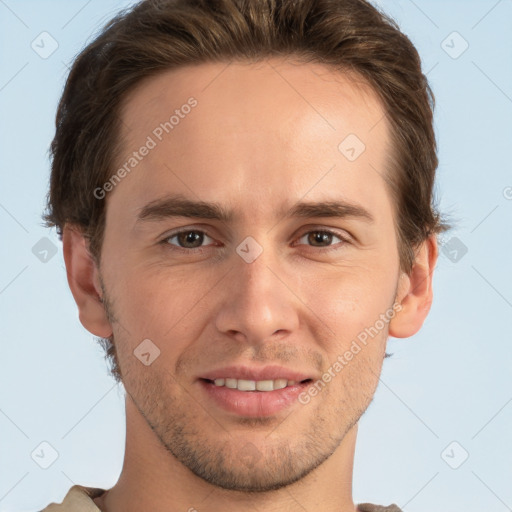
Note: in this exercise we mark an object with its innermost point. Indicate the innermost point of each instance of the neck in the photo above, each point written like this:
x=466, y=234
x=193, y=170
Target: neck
x=153, y=479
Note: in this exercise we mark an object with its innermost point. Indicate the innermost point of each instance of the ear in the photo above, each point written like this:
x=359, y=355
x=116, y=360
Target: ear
x=83, y=280
x=415, y=292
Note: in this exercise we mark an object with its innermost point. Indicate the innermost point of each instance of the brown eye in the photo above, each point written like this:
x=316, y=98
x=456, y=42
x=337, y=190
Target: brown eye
x=189, y=239
x=321, y=238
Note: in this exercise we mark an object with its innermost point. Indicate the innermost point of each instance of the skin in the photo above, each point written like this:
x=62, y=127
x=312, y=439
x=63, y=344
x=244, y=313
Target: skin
x=262, y=137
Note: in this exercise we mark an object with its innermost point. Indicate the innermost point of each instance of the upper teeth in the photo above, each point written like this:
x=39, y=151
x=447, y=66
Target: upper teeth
x=254, y=385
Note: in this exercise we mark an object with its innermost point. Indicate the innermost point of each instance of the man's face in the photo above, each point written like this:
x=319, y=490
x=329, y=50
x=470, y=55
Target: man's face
x=261, y=139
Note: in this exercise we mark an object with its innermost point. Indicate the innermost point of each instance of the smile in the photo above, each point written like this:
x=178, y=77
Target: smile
x=254, y=385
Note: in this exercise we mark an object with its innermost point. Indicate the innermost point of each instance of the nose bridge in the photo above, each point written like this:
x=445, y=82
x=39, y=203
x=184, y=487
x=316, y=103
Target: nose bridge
x=257, y=286
x=255, y=274
x=257, y=303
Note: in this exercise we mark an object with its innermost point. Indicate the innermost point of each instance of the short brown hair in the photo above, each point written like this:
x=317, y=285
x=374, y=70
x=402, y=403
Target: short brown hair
x=153, y=36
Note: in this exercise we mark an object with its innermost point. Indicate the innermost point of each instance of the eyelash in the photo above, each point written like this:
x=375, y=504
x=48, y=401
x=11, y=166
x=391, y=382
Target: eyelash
x=165, y=241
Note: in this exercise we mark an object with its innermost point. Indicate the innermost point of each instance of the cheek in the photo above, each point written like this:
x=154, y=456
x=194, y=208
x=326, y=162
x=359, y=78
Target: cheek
x=160, y=304
x=350, y=301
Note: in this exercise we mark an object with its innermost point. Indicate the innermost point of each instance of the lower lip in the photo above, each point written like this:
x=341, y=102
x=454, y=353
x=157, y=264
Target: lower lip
x=253, y=404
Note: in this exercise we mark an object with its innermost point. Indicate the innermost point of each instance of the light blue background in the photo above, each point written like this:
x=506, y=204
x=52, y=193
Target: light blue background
x=450, y=382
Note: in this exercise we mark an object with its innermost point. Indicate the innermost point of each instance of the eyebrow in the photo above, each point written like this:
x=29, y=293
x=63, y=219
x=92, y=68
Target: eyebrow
x=179, y=206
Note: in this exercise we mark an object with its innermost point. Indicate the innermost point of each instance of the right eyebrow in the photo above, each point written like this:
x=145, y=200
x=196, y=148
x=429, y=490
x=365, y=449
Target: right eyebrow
x=179, y=206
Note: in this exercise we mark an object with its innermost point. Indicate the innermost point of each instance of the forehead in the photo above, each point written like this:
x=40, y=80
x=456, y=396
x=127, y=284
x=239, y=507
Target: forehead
x=255, y=129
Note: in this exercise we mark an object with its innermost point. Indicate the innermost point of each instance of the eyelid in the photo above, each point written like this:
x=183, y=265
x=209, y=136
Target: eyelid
x=335, y=231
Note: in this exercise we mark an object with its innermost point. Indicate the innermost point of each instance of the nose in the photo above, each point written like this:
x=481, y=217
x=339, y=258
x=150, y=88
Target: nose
x=257, y=302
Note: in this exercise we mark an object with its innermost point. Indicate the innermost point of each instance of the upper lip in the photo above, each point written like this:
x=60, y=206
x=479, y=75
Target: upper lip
x=248, y=373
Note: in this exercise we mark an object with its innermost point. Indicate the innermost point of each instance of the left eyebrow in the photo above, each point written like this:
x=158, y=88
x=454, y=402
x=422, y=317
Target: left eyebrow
x=179, y=206
x=339, y=209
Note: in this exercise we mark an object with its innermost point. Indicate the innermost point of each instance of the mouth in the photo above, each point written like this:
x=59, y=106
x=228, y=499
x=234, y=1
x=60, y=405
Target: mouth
x=246, y=385
x=252, y=398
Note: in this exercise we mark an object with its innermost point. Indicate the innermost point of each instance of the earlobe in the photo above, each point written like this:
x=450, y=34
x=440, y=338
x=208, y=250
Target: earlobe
x=415, y=293
x=83, y=280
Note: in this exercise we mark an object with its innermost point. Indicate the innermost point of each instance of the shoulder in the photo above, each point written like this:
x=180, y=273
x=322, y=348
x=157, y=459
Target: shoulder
x=78, y=499
x=369, y=507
